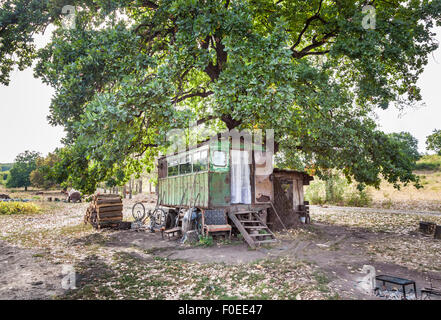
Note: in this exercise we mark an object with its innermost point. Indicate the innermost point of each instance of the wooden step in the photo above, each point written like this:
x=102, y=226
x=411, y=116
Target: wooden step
x=261, y=235
x=255, y=227
x=244, y=228
x=266, y=241
x=242, y=212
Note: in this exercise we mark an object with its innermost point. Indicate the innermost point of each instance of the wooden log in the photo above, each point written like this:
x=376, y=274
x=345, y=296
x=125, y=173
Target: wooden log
x=427, y=227
x=110, y=214
x=110, y=200
x=109, y=205
x=437, y=232
x=107, y=224
x=100, y=220
x=107, y=195
x=109, y=209
x=107, y=201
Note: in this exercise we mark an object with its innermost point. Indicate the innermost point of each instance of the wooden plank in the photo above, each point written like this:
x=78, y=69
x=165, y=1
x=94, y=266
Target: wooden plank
x=111, y=205
x=242, y=230
x=263, y=223
x=275, y=211
x=109, y=209
x=110, y=214
x=105, y=196
x=109, y=219
x=103, y=201
x=255, y=227
x=261, y=235
x=266, y=241
x=173, y=230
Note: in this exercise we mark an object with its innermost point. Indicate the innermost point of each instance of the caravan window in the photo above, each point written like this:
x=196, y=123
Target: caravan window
x=200, y=161
x=219, y=158
x=185, y=165
x=173, y=169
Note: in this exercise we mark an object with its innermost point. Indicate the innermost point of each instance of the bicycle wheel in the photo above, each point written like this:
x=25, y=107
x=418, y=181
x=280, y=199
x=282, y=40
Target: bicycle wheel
x=138, y=211
x=159, y=217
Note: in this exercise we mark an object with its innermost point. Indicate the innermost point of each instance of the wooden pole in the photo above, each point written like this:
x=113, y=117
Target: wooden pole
x=275, y=211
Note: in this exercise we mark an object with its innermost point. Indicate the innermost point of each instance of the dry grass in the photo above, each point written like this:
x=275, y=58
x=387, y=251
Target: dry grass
x=399, y=242
x=158, y=278
x=418, y=253
x=399, y=223
x=427, y=198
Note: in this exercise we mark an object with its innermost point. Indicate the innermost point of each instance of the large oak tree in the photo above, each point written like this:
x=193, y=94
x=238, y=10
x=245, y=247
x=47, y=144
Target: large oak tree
x=131, y=70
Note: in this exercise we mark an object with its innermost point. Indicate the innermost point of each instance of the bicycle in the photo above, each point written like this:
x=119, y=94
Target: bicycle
x=156, y=218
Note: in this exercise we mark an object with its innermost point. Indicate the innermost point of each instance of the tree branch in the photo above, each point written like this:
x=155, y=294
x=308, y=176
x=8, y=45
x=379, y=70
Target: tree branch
x=149, y=4
x=307, y=23
x=202, y=94
x=315, y=44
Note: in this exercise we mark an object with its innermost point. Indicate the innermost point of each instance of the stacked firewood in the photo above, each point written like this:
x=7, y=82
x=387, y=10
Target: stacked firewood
x=105, y=210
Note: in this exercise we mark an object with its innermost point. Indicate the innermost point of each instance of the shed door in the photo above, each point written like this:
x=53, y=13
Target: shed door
x=240, y=177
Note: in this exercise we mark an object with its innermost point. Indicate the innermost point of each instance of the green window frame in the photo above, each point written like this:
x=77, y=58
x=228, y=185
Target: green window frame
x=185, y=166
x=172, y=167
x=200, y=160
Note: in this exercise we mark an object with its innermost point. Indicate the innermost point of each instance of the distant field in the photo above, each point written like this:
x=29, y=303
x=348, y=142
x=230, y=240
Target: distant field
x=5, y=166
x=427, y=198
x=429, y=163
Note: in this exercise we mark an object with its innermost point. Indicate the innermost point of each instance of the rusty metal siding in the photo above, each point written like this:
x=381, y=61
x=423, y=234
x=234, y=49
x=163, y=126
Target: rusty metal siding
x=173, y=188
x=219, y=189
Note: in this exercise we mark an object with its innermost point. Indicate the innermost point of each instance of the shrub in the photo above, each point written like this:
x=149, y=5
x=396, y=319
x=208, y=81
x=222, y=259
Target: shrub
x=8, y=208
x=429, y=162
x=357, y=198
x=205, y=241
x=337, y=191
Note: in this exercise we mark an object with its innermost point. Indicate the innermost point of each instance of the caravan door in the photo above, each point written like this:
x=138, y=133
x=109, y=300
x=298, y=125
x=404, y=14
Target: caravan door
x=240, y=177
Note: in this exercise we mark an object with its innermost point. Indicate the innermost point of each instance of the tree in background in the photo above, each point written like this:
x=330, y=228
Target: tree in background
x=5, y=167
x=19, y=175
x=44, y=175
x=131, y=70
x=433, y=141
x=409, y=144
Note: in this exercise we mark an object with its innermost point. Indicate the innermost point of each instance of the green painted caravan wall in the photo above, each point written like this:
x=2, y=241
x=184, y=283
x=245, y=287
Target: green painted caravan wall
x=172, y=189
x=220, y=191
x=213, y=185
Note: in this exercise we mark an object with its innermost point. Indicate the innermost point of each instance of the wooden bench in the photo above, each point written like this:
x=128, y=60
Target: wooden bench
x=174, y=232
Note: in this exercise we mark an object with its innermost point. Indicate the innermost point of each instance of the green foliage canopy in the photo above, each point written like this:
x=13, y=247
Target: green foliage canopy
x=131, y=70
x=19, y=175
x=433, y=141
x=45, y=176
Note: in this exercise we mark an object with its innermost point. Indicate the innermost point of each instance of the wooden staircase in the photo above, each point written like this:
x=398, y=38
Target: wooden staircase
x=254, y=230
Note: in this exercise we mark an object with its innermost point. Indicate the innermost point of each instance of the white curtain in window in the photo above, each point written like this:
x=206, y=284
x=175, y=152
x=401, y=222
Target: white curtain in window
x=240, y=177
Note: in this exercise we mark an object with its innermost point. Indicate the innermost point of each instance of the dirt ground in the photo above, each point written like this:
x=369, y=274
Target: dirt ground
x=319, y=261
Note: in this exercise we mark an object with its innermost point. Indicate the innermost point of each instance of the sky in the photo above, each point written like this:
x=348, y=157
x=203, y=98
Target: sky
x=24, y=107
